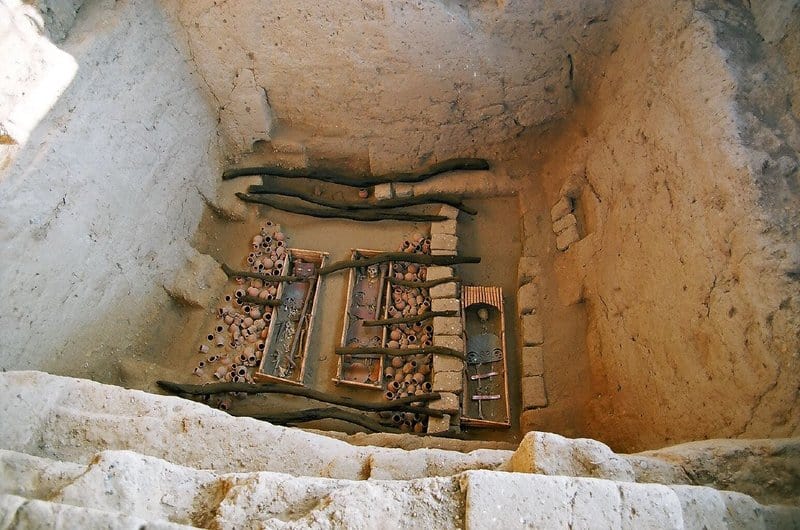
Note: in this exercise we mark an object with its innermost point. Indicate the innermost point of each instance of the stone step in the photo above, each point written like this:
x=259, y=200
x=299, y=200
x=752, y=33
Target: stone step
x=517, y=500
x=767, y=470
x=79, y=426
x=19, y=513
x=134, y=487
x=73, y=419
x=152, y=489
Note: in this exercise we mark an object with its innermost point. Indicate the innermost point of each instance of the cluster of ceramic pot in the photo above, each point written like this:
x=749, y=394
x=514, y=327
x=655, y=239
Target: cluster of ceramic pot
x=234, y=348
x=408, y=376
x=416, y=244
x=406, y=421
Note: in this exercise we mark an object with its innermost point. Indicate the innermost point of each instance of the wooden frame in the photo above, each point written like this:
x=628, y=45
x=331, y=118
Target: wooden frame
x=490, y=297
x=351, y=329
x=305, y=328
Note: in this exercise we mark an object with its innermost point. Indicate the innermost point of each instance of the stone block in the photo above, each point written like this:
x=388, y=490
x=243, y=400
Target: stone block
x=448, y=211
x=528, y=270
x=533, y=392
x=445, y=290
x=436, y=272
x=561, y=208
x=403, y=189
x=551, y=454
x=436, y=425
x=447, y=325
x=532, y=361
x=446, y=363
x=532, y=330
x=702, y=507
x=382, y=192
x=447, y=401
x=454, y=342
x=565, y=222
x=446, y=304
x=516, y=500
x=21, y=512
x=442, y=252
x=527, y=298
x=444, y=242
x=444, y=227
x=654, y=506
x=448, y=382
x=567, y=237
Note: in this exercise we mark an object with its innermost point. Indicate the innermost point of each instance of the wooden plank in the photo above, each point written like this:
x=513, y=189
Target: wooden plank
x=492, y=296
x=305, y=326
x=346, y=324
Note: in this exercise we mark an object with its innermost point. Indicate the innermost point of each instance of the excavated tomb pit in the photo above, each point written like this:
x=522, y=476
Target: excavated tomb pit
x=640, y=210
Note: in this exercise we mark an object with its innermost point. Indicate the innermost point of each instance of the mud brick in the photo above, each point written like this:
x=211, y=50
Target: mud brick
x=445, y=304
x=561, y=208
x=444, y=227
x=383, y=192
x=532, y=331
x=533, y=392
x=448, y=382
x=567, y=237
x=447, y=326
x=564, y=223
x=532, y=361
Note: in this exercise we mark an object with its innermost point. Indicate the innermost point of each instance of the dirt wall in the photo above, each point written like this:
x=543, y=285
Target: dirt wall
x=688, y=160
x=394, y=83
x=101, y=195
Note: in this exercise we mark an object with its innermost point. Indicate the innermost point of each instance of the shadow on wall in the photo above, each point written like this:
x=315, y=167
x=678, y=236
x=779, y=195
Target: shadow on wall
x=101, y=196
x=35, y=74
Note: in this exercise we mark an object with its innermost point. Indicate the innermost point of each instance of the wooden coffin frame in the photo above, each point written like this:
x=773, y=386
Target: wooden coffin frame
x=264, y=375
x=357, y=253
x=491, y=296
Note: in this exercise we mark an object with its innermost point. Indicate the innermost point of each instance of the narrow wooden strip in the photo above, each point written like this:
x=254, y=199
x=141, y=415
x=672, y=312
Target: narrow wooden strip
x=330, y=175
x=408, y=320
x=332, y=413
x=354, y=215
x=425, y=285
x=277, y=388
x=269, y=278
x=423, y=259
x=365, y=352
x=434, y=198
x=383, y=428
x=260, y=301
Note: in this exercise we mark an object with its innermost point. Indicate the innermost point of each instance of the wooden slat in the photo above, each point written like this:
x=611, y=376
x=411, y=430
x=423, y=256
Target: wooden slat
x=473, y=294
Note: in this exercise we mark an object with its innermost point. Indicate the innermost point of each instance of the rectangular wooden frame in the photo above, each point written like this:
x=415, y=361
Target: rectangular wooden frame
x=319, y=259
x=351, y=286
x=493, y=296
